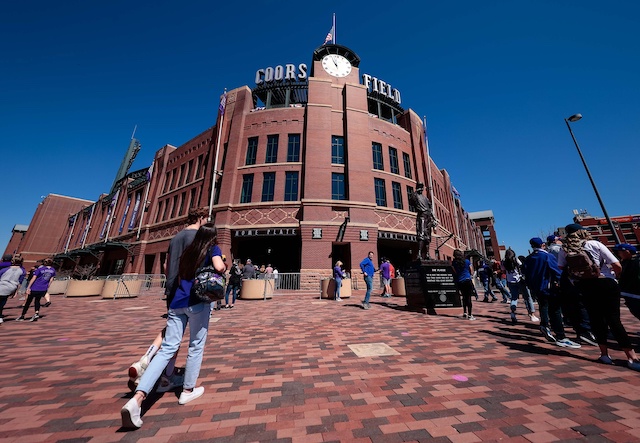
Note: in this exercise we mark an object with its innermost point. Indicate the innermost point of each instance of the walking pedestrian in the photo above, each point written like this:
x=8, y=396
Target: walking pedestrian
x=38, y=287
x=185, y=308
x=462, y=272
x=385, y=271
x=233, y=287
x=601, y=294
x=10, y=280
x=517, y=286
x=543, y=277
x=368, y=269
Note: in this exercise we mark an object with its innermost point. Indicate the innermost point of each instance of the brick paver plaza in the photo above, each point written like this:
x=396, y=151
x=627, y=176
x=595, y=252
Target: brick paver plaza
x=287, y=370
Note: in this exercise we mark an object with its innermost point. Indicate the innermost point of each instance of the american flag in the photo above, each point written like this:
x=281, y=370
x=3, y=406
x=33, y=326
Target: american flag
x=223, y=102
x=329, y=37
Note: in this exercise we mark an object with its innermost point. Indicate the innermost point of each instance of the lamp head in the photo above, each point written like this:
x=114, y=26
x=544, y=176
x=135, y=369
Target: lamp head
x=575, y=118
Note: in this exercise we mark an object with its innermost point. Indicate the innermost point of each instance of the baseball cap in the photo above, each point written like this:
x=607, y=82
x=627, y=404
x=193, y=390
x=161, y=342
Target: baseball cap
x=536, y=242
x=625, y=247
x=573, y=227
x=552, y=238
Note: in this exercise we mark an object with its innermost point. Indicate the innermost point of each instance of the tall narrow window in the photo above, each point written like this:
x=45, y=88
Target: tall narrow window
x=337, y=150
x=181, y=177
x=272, y=149
x=247, y=188
x=407, y=164
x=174, y=206
x=397, y=195
x=381, y=194
x=268, y=186
x=252, y=151
x=192, y=200
x=166, y=210
x=198, y=172
x=393, y=160
x=377, y=156
x=412, y=208
x=291, y=186
x=293, y=148
x=338, y=189
x=167, y=181
x=187, y=178
x=183, y=199
x=159, y=211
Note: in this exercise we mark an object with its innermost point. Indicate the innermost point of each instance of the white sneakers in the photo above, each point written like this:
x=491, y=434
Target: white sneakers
x=534, y=318
x=186, y=397
x=130, y=413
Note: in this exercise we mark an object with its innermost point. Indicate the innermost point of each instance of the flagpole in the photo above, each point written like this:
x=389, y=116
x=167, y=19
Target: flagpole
x=144, y=202
x=334, y=28
x=215, y=162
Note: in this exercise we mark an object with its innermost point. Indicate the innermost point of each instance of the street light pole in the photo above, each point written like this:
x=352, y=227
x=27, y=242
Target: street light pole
x=575, y=118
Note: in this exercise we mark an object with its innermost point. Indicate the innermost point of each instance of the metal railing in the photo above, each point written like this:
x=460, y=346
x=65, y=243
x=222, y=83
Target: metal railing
x=135, y=285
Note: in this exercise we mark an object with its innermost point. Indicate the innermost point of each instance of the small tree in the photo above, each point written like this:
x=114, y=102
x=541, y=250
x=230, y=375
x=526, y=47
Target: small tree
x=85, y=272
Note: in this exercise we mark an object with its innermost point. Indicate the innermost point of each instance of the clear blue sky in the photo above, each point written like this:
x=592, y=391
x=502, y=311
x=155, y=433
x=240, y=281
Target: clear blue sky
x=495, y=79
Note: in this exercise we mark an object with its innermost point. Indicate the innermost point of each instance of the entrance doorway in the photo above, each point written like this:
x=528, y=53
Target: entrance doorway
x=399, y=253
x=282, y=252
x=342, y=252
x=149, y=260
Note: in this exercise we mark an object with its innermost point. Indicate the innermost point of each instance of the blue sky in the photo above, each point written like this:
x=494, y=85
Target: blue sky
x=495, y=80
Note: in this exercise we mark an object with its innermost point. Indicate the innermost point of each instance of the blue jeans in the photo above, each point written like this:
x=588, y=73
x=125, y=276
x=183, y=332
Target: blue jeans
x=515, y=289
x=550, y=313
x=487, y=288
x=498, y=284
x=198, y=318
x=230, y=288
x=368, y=280
x=338, y=286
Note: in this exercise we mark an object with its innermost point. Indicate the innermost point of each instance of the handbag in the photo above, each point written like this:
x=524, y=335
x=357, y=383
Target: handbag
x=208, y=284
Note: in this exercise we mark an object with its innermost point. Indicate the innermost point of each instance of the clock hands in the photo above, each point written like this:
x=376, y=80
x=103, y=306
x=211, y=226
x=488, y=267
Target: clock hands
x=333, y=57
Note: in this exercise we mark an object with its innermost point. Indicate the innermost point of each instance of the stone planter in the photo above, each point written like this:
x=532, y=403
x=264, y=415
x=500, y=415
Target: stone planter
x=58, y=287
x=255, y=289
x=84, y=288
x=397, y=287
x=328, y=288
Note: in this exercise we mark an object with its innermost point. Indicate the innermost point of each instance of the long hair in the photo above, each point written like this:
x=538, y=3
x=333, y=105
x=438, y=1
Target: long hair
x=194, y=255
x=458, y=258
x=510, y=261
x=574, y=241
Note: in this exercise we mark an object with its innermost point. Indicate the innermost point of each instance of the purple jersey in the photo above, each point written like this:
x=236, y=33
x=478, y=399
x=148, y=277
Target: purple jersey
x=43, y=275
x=385, y=268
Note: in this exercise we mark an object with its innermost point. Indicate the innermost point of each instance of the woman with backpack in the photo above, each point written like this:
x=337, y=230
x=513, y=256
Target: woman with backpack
x=517, y=286
x=585, y=259
x=186, y=307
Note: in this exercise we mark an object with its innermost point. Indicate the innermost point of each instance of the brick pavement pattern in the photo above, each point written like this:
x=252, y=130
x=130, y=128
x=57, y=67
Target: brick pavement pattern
x=282, y=371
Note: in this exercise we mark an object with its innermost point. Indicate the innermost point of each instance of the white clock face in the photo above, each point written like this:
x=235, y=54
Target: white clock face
x=336, y=65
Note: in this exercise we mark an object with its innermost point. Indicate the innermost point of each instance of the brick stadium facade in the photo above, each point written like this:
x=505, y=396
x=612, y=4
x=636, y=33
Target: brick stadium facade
x=314, y=165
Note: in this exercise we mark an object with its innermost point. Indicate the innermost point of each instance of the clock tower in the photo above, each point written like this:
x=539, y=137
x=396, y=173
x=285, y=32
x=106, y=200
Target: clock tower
x=337, y=149
x=335, y=61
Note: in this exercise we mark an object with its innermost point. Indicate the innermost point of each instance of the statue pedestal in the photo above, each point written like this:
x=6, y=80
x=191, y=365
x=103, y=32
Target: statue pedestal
x=430, y=285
